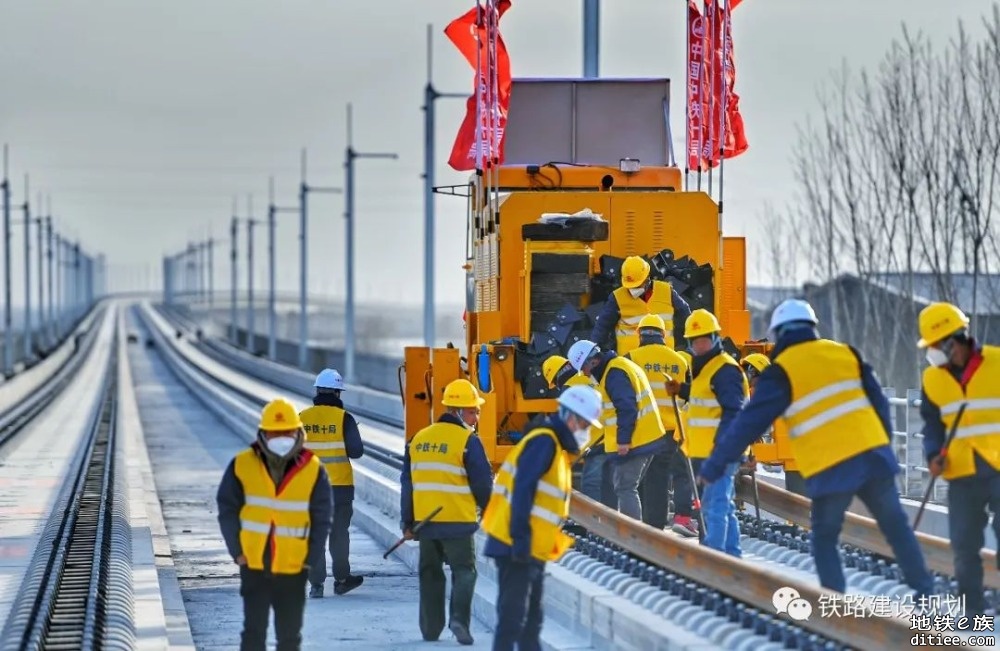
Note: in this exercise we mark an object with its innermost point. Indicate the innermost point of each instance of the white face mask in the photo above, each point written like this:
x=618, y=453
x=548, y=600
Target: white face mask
x=281, y=445
x=936, y=357
x=582, y=437
x=637, y=292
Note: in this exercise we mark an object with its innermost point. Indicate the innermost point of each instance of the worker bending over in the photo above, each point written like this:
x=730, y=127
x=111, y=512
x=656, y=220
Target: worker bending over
x=659, y=362
x=332, y=435
x=638, y=296
x=274, y=536
x=715, y=395
x=838, y=420
x=525, y=514
x=445, y=465
x=595, y=479
x=960, y=371
x=632, y=426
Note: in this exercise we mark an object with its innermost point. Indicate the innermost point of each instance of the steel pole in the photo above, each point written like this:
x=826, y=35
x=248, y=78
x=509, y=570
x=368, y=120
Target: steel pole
x=39, y=228
x=233, y=275
x=8, y=339
x=250, y=305
x=272, y=316
x=27, y=272
x=303, y=267
x=429, y=228
x=50, y=309
x=211, y=275
x=591, y=37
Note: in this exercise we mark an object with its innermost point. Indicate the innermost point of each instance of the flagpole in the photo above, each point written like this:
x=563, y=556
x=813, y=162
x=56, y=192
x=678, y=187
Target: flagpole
x=492, y=36
x=711, y=28
x=479, y=92
x=687, y=97
x=723, y=109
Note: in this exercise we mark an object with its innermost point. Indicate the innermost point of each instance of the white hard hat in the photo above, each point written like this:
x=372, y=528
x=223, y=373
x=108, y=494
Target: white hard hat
x=791, y=310
x=583, y=401
x=579, y=352
x=329, y=378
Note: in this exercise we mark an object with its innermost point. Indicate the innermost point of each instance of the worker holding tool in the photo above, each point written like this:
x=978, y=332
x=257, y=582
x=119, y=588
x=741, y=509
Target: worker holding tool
x=638, y=296
x=632, y=425
x=273, y=535
x=659, y=362
x=715, y=395
x=962, y=371
x=596, y=477
x=332, y=435
x=445, y=465
x=525, y=514
x=838, y=420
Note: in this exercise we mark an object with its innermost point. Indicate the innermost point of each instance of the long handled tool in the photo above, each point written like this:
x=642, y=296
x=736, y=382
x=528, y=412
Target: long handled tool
x=695, y=500
x=943, y=454
x=416, y=528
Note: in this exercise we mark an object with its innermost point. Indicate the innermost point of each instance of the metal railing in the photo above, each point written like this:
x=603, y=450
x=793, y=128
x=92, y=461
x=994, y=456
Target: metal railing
x=908, y=443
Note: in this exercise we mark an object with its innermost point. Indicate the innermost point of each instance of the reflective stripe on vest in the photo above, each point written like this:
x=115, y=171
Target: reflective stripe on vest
x=830, y=418
x=282, y=517
x=551, y=501
x=979, y=430
x=437, y=470
x=631, y=310
x=648, y=426
x=658, y=362
x=324, y=427
x=701, y=423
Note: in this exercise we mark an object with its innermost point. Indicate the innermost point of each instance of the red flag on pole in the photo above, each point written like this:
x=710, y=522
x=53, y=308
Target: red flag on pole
x=697, y=87
x=463, y=33
x=734, y=137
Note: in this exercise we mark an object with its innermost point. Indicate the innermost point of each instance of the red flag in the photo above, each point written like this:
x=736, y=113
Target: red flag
x=697, y=95
x=723, y=59
x=462, y=32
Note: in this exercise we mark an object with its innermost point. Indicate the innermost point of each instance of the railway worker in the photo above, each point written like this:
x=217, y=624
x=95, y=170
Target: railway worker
x=638, y=296
x=332, y=435
x=660, y=362
x=962, y=370
x=824, y=389
x=275, y=536
x=632, y=425
x=595, y=479
x=445, y=465
x=525, y=514
x=715, y=395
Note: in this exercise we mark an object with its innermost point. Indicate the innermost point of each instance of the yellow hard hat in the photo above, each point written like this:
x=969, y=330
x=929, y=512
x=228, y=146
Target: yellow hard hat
x=279, y=416
x=551, y=366
x=940, y=320
x=757, y=360
x=635, y=270
x=461, y=393
x=652, y=321
x=701, y=323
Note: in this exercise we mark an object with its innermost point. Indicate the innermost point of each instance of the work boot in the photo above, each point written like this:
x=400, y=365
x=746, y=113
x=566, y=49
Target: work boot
x=461, y=633
x=343, y=586
x=316, y=591
x=685, y=526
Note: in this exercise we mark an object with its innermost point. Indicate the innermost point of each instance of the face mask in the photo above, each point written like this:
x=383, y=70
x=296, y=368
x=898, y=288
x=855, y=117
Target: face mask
x=281, y=445
x=582, y=437
x=637, y=292
x=936, y=357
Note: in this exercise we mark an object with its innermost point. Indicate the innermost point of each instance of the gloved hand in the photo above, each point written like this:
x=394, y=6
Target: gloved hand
x=673, y=387
x=936, y=466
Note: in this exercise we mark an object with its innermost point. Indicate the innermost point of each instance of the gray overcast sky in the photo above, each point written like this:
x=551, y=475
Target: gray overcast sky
x=144, y=118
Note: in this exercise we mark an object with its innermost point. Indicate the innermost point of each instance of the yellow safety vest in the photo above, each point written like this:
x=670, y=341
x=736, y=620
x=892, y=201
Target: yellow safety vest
x=648, y=426
x=437, y=470
x=324, y=427
x=284, y=513
x=632, y=310
x=586, y=381
x=704, y=411
x=979, y=430
x=830, y=418
x=658, y=362
x=551, y=507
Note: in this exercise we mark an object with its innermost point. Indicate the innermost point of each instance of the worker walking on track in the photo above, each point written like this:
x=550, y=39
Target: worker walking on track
x=595, y=479
x=632, y=425
x=963, y=371
x=274, y=513
x=660, y=362
x=332, y=435
x=525, y=514
x=638, y=296
x=445, y=465
x=715, y=395
x=839, y=425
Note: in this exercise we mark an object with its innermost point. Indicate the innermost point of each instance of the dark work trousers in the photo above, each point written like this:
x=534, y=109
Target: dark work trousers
x=286, y=594
x=340, y=545
x=969, y=499
x=519, y=605
x=460, y=555
x=654, y=486
x=680, y=477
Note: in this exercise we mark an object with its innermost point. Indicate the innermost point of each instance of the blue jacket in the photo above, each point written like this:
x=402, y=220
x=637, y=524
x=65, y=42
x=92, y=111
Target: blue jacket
x=771, y=397
x=622, y=395
x=534, y=461
x=353, y=444
x=230, y=499
x=727, y=385
x=604, y=325
x=479, y=473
